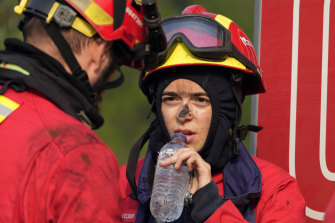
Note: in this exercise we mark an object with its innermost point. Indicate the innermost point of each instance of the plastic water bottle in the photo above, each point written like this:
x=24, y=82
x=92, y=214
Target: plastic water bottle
x=170, y=185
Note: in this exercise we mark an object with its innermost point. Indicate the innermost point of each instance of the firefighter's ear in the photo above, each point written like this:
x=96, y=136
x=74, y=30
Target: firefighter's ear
x=102, y=52
x=96, y=57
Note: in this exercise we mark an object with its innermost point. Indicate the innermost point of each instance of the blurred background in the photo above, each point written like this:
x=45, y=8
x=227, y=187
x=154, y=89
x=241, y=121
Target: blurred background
x=125, y=108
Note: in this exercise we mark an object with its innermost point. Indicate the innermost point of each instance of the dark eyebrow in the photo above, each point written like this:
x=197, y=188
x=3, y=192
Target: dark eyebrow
x=170, y=93
x=196, y=94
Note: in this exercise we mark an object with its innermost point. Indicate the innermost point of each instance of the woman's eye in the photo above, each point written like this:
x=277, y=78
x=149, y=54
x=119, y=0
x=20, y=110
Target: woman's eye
x=202, y=100
x=168, y=99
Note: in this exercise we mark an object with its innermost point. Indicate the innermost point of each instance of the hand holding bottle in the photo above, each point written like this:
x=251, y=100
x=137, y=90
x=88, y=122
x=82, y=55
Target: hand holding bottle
x=195, y=163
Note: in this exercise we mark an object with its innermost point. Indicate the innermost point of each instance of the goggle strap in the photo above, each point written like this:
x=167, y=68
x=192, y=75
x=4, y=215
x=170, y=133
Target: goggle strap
x=244, y=60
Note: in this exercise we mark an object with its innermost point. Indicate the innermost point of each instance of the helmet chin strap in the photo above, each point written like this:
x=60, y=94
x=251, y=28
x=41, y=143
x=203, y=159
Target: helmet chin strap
x=54, y=33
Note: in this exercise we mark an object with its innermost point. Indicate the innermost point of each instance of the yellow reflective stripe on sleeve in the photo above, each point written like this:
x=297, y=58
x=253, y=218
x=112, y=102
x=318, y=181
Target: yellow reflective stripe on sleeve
x=14, y=67
x=8, y=103
x=2, y=118
x=7, y=106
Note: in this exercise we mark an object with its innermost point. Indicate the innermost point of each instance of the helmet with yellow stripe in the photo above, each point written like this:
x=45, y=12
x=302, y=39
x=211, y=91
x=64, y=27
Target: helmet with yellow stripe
x=199, y=38
x=200, y=44
x=124, y=21
x=111, y=19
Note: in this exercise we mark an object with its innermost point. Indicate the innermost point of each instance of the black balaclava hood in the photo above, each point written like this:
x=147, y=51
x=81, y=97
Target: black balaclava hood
x=217, y=149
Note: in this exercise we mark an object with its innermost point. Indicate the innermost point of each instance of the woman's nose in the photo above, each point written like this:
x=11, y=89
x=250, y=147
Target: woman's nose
x=185, y=113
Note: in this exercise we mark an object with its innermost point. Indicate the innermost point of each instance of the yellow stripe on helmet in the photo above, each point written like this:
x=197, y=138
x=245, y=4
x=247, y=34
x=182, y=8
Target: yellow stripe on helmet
x=98, y=15
x=78, y=24
x=94, y=12
x=83, y=27
x=223, y=21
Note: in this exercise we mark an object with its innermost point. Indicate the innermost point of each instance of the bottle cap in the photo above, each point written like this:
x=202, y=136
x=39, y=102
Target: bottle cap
x=179, y=137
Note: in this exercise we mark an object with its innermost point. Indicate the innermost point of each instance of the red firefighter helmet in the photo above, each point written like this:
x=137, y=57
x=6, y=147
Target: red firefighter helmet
x=197, y=37
x=111, y=19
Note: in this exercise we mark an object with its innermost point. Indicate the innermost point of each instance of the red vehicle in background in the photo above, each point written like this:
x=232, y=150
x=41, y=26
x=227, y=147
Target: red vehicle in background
x=296, y=43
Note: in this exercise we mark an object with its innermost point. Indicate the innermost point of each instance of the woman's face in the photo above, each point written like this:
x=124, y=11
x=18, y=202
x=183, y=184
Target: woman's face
x=186, y=108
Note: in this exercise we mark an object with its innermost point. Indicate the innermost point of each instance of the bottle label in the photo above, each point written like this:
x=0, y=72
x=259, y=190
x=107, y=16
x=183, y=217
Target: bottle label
x=166, y=154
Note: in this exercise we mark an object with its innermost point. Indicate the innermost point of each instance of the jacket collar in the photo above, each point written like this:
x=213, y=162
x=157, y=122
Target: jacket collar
x=49, y=77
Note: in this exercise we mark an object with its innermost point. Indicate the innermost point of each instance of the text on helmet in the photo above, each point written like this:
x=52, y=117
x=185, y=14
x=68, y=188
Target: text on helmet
x=133, y=15
x=246, y=42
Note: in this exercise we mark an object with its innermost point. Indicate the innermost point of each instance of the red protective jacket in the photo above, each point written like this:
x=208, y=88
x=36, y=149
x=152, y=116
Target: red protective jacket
x=280, y=199
x=53, y=167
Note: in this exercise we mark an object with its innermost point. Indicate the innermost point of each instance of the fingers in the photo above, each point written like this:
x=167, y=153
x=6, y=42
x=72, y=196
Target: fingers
x=180, y=156
x=194, y=162
x=188, y=156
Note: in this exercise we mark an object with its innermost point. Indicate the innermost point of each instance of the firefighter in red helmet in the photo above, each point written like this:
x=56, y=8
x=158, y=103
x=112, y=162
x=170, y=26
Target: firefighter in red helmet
x=54, y=167
x=209, y=66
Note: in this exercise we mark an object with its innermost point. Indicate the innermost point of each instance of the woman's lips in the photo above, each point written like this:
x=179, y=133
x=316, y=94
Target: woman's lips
x=188, y=133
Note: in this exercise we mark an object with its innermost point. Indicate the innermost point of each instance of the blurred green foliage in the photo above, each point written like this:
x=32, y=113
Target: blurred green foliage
x=125, y=108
